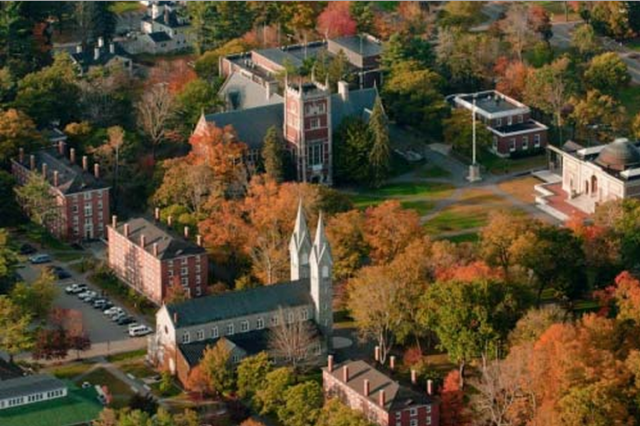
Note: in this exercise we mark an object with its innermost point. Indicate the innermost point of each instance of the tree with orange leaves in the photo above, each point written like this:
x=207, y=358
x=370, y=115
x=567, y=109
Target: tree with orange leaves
x=336, y=20
x=452, y=409
x=198, y=382
x=390, y=229
x=513, y=78
x=626, y=294
x=348, y=247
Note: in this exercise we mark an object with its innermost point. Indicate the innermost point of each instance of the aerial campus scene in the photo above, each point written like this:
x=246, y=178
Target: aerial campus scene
x=331, y=213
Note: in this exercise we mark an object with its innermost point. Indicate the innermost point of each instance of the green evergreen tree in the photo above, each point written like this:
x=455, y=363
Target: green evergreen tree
x=273, y=153
x=352, y=145
x=380, y=155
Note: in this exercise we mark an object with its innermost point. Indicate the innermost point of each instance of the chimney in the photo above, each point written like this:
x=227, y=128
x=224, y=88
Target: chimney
x=381, y=398
x=85, y=163
x=367, y=387
x=343, y=90
x=169, y=220
x=156, y=213
x=175, y=317
x=377, y=353
x=44, y=170
x=186, y=232
x=125, y=229
x=96, y=170
x=112, y=48
x=114, y=221
x=32, y=162
x=414, y=377
x=429, y=387
x=143, y=240
x=345, y=373
x=61, y=148
x=72, y=155
x=155, y=249
x=155, y=11
x=392, y=362
x=166, y=16
x=199, y=240
x=55, y=178
x=100, y=41
x=79, y=48
x=330, y=363
x=96, y=53
x=21, y=155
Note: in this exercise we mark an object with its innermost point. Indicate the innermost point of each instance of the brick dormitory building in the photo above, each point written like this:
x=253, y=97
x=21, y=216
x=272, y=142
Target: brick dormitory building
x=382, y=400
x=82, y=198
x=514, y=132
x=150, y=258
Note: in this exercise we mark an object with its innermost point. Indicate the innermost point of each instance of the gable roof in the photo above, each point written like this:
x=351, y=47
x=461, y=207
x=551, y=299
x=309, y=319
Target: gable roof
x=87, y=59
x=27, y=385
x=71, y=177
x=246, y=93
x=252, y=124
x=169, y=245
x=235, y=304
x=252, y=343
x=397, y=396
x=9, y=370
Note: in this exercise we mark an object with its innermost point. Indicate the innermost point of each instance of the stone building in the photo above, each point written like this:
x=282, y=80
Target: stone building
x=589, y=176
x=515, y=133
x=81, y=196
x=150, y=259
x=244, y=319
x=381, y=399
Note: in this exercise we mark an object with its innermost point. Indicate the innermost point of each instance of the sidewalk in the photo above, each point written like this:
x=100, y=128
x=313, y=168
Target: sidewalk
x=97, y=350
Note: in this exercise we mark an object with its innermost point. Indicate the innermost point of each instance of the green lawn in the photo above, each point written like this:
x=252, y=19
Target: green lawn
x=449, y=221
x=433, y=171
x=471, y=237
x=70, y=371
x=102, y=377
x=498, y=166
x=120, y=7
x=127, y=355
x=421, y=206
x=417, y=196
x=78, y=407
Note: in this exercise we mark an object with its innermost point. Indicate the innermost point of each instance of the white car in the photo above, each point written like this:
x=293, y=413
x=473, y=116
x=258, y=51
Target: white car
x=75, y=288
x=115, y=317
x=113, y=310
x=132, y=326
x=87, y=295
x=141, y=330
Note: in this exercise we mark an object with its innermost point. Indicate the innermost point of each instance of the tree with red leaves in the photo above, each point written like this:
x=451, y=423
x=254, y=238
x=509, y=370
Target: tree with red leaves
x=452, y=409
x=336, y=20
x=51, y=344
x=198, y=382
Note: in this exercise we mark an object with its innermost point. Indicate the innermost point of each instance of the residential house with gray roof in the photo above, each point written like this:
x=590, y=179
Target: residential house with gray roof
x=244, y=320
x=30, y=389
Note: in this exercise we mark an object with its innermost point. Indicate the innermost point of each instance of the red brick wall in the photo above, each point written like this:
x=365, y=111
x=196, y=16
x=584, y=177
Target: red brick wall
x=503, y=142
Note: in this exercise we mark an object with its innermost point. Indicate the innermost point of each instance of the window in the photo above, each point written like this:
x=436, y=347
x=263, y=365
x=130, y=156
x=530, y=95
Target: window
x=170, y=273
x=171, y=263
x=244, y=326
x=87, y=195
x=260, y=324
x=398, y=415
x=198, y=291
x=198, y=279
x=214, y=333
x=183, y=260
x=314, y=123
x=230, y=329
x=100, y=204
x=305, y=314
x=495, y=143
x=325, y=272
x=235, y=359
x=198, y=267
x=76, y=230
x=200, y=335
x=315, y=153
x=184, y=271
x=536, y=140
x=290, y=317
x=274, y=320
x=512, y=144
x=525, y=142
x=413, y=411
x=184, y=281
x=509, y=120
x=414, y=422
x=498, y=122
x=520, y=118
x=74, y=208
x=186, y=338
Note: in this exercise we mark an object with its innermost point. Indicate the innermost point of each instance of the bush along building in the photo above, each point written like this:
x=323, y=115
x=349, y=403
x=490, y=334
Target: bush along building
x=247, y=321
x=81, y=198
x=306, y=118
x=515, y=133
x=151, y=259
x=381, y=399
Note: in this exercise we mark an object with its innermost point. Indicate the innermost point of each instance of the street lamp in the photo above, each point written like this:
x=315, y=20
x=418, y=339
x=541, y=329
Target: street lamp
x=474, y=168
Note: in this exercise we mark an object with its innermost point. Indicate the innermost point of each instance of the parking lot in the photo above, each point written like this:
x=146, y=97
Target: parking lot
x=99, y=327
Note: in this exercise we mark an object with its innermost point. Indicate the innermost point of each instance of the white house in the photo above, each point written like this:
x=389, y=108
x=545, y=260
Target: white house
x=30, y=389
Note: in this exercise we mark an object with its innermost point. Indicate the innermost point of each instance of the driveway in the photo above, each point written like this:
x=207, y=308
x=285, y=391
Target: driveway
x=99, y=327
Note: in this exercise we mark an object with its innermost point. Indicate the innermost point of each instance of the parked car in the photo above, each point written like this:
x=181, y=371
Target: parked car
x=87, y=295
x=112, y=310
x=141, y=330
x=90, y=298
x=126, y=320
x=40, y=258
x=116, y=317
x=86, y=385
x=102, y=303
x=133, y=325
x=75, y=288
x=27, y=249
x=59, y=272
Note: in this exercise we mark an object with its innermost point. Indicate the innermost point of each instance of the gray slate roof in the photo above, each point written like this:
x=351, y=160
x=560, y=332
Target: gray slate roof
x=71, y=177
x=9, y=370
x=397, y=396
x=169, y=245
x=245, y=93
x=87, y=59
x=236, y=304
x=252, y=124
x=280, y=56
x=27, y=385
x=361, y=45
x=252, y=342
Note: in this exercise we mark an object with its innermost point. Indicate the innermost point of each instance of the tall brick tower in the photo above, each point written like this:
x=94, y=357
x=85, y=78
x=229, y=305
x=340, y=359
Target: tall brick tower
x=307, y=130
